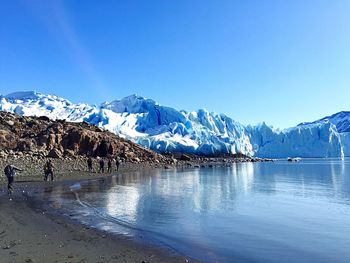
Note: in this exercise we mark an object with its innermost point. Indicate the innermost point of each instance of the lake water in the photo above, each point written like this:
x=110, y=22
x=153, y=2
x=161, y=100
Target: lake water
x=247, y=212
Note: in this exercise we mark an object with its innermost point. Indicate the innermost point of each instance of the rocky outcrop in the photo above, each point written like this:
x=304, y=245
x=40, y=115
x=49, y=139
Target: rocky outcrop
x=41, y=136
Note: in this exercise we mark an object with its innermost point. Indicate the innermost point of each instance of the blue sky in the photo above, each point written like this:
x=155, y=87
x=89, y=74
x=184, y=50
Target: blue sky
x=282, y=62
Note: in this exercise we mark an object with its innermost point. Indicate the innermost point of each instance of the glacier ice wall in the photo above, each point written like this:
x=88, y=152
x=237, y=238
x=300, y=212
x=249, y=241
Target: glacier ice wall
x=166, y=129
x=312, y=140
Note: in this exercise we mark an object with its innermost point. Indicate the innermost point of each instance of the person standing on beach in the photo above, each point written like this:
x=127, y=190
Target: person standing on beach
x=89, y=163
x=48, y=170
x=117, y=162
x=10, y=172
x=109, y=165
x=102, y=166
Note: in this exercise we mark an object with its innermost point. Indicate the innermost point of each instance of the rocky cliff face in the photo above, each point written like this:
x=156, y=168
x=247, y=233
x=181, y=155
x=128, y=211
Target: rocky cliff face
x=41, y=136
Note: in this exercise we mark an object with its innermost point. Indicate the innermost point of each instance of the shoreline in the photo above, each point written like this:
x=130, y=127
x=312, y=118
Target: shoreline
x=67, y=168
x=30, y=233
x=20, y=239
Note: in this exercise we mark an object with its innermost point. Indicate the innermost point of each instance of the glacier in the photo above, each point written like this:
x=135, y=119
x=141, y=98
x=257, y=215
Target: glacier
x=310, y=140
x=165, y=129
x=341, y=121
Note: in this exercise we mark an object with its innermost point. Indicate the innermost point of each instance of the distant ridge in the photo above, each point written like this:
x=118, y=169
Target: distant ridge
x=341, y=120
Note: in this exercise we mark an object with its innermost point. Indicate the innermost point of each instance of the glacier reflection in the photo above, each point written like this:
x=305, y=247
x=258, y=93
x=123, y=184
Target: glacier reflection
x=203, y=192
x=241, y=212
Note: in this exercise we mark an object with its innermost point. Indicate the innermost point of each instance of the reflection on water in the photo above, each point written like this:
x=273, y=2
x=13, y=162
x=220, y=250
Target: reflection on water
x=250, y=212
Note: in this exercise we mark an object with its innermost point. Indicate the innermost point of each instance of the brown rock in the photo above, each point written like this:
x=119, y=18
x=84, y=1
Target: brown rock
x=41, y=137
x=69, y=153
x=54, y=153
x=185, y=157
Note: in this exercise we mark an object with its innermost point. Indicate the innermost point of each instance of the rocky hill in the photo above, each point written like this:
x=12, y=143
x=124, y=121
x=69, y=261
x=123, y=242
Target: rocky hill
x=42, y=137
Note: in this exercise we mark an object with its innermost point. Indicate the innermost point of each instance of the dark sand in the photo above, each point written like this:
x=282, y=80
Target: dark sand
x=29, y=234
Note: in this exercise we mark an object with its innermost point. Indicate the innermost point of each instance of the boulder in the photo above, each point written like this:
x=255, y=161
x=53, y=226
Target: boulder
x=3, y=154
x=69, y=153
x=185, y=157
x=25, y=145
x=54, y=153
x=10, y=123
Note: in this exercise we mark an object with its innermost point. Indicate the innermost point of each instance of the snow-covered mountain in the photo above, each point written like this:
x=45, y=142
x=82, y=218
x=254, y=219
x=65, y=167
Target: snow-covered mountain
x=31, y=103
x=165, y=129
x=341, y=120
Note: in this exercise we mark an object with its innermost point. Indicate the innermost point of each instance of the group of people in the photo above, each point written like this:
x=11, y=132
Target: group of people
x=10, y=170
x=102, y=164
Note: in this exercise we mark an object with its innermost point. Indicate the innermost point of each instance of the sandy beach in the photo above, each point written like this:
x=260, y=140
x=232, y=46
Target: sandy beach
x=29, y=234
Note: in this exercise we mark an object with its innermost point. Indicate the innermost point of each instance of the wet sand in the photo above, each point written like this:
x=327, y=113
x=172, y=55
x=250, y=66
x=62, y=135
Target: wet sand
x=29, y=234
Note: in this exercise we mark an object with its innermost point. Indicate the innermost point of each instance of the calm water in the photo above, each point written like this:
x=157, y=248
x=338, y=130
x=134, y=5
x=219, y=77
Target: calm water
x=251, y=212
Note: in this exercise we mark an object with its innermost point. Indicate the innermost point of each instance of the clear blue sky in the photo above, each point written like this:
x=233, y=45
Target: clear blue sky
x=282, y=62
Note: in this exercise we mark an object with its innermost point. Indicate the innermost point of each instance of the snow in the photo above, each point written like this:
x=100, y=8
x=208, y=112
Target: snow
x=37, y=104
x=123, y=124
x=166, y=129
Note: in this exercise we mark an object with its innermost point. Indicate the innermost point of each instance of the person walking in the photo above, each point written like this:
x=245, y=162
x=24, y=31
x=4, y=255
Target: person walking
x=48, y=170
x=109, y=165
x=117, y=162
x=102, y=166
x=10, y=172
x=89, y=163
